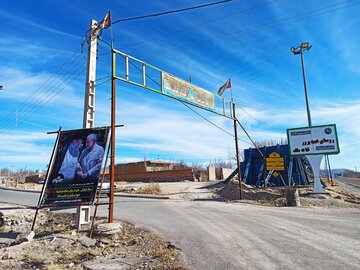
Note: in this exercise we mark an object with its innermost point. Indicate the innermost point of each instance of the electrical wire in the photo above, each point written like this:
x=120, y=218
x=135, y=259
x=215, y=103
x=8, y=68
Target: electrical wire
x=48, y=90
x=42, y=91
x=301, y=16
x=170, y=12
x=186, y=105
x=201, y=24
x=27, y=114
x=103, y=82
x=253, y=117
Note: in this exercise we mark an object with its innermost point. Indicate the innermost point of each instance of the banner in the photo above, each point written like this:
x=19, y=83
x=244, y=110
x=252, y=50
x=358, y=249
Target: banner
x=315, y=140
x=74, y=177
x=183, y=90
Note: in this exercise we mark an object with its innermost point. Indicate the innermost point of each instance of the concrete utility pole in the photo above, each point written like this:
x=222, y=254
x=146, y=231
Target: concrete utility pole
x=89, y=102
x=83, y=212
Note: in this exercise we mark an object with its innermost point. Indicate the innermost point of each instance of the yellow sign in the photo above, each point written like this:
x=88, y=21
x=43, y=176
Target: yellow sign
x=276, y=174
x=274, y=155
x=275, y=162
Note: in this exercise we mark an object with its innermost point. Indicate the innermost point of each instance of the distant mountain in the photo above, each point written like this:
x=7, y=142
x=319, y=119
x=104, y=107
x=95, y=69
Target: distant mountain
x=335, y=171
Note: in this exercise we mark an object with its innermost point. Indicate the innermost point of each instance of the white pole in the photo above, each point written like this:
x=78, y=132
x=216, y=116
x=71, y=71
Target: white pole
x=89, y=102
x=83, y=212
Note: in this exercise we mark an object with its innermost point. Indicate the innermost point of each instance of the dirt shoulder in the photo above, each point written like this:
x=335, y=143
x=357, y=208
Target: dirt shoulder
x=57, y=245
x=334, y=196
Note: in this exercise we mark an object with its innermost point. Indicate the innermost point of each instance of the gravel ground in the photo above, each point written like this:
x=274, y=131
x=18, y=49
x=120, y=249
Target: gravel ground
x=56, y=245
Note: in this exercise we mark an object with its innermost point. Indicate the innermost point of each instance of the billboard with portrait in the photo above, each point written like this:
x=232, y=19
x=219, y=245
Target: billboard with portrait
x=75, y=171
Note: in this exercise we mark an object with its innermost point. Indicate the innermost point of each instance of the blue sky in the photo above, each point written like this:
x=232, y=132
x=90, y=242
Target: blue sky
x=42, y=71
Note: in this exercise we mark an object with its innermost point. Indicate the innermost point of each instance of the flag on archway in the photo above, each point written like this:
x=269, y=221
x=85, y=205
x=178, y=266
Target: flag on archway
x=224, y=87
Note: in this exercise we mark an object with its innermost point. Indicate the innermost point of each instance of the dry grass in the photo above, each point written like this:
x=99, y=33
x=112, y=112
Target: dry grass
x=327, y=182
x=152, y=188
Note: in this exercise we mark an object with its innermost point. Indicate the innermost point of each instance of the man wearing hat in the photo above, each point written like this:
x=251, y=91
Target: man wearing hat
x=70, y=161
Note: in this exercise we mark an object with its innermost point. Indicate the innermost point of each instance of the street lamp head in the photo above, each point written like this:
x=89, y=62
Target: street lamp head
x=304, y=45
x=295, y=50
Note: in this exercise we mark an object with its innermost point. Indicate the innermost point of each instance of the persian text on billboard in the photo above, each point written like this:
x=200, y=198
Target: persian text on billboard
x=186, y=91
x=313, y=140
x=73, y=178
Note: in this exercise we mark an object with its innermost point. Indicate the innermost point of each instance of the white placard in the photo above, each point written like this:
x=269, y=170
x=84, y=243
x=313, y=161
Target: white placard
x=313, y=140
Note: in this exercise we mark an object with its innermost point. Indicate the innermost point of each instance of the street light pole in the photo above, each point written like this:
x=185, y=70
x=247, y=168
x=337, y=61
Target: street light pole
x=314, y=160
x=305, y=89
x=299, y=50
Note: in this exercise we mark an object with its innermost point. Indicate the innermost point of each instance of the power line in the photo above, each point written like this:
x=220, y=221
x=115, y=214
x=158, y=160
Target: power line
x=302, y=16
x=43, y=94
x=47, y=91
x=43, y=90
x=170, y=12
x=199, y=25
x=109, y=79
x=37, y=107
x=253, y=117
x=186, y=105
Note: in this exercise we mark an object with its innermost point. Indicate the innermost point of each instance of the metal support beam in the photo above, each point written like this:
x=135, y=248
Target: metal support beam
x=112, y=143
x=237, y=152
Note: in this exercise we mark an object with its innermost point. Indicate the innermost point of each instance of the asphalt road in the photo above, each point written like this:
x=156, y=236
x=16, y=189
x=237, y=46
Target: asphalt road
x=349, y=185
x=351, y=182
x=217, y=235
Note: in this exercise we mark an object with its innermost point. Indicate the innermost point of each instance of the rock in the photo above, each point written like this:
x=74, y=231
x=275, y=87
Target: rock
x=112, y=265
x=7, y=256
x=53, y=239
x=108, y=228
x=30, y=236
x=105, y=241
x=71, y=265
x=169, y=245
x=86, y=241
x=292, y=196
x=73, y=233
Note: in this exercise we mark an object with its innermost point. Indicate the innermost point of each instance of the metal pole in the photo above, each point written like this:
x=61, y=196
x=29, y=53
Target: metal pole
x=99, y=194
x=305, y=88
x=52, y=159
x=247, y=134
x=237, y=153
x=328, y=162
x=112, y=144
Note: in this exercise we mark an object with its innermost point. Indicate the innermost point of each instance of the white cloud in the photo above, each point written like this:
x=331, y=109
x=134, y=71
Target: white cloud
x=24, y=21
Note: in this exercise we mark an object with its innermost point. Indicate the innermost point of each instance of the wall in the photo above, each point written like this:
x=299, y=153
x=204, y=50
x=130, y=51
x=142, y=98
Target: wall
x=130, y=167
x=211, y=173
x=226, y=172
x=156, y=176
